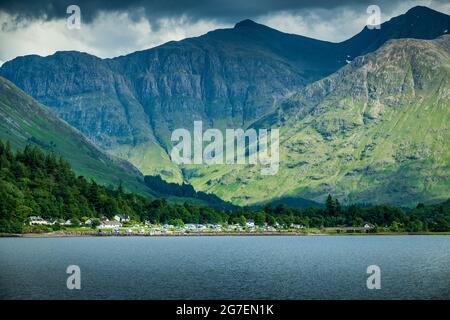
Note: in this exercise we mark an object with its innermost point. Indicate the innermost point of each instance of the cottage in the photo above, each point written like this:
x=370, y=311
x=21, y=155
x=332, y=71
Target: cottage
x=122, y=218
x=37, y=220
x=250, y=223
x=110, y=225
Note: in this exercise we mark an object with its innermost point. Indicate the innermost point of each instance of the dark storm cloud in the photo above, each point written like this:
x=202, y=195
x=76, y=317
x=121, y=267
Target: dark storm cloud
x=221, y=10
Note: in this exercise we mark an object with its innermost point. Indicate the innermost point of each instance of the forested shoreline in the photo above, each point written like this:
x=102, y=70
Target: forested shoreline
x=34, y=183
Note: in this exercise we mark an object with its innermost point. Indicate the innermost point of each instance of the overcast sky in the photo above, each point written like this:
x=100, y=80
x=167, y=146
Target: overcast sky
x=112, y=28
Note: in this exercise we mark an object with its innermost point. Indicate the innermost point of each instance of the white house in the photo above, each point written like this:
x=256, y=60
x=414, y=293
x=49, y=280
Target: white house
x=190, y=227
x=110, y=225
x=250, y=223
x=38, y=220
x=122, y=217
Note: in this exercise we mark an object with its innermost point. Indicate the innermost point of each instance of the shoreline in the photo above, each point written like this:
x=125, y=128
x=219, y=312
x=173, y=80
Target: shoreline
x=215, y=234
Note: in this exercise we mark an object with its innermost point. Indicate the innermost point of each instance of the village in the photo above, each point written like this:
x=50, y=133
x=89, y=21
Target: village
x=121, y=224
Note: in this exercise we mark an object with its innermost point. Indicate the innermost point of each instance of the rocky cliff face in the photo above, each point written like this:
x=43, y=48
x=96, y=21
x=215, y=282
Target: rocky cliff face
x=129, y=105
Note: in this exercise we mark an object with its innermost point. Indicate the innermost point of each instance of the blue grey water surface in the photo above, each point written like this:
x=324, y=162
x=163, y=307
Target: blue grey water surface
x=226, y=267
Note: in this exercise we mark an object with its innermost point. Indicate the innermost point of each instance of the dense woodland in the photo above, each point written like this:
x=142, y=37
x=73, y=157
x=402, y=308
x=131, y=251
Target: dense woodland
x=36, y=183
x=184, y=190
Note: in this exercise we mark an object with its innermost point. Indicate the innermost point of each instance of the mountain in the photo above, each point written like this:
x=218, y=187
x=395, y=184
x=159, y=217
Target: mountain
x=129, y=105
x=419, y=23
x=25, y=121
x=376, y=131
x=233, y=77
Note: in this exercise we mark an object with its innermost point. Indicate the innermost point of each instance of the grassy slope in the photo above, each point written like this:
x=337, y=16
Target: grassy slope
x=24, y=119
x=376, y=131
x=142, y=150
x=151, y=159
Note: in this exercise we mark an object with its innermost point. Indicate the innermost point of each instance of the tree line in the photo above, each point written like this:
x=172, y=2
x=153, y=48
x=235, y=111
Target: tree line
x=165, y=188
x=36, y=183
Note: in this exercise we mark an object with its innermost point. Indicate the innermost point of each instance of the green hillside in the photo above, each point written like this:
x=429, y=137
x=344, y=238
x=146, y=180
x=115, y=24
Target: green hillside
x=36, y=183
x=24, y=121
x=376, y=131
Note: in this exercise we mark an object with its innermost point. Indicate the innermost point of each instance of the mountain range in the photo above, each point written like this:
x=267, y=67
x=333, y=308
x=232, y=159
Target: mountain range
x=365, y=119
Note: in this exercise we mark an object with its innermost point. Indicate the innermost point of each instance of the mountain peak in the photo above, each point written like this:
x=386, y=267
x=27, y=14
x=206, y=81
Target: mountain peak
x=246, y=23
x=421, y=10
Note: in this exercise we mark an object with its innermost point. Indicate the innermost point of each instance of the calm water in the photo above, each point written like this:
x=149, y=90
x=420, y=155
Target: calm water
x=226, y=267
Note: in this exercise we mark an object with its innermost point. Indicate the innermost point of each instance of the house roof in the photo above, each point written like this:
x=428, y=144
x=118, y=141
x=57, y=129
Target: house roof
x=36, y=218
